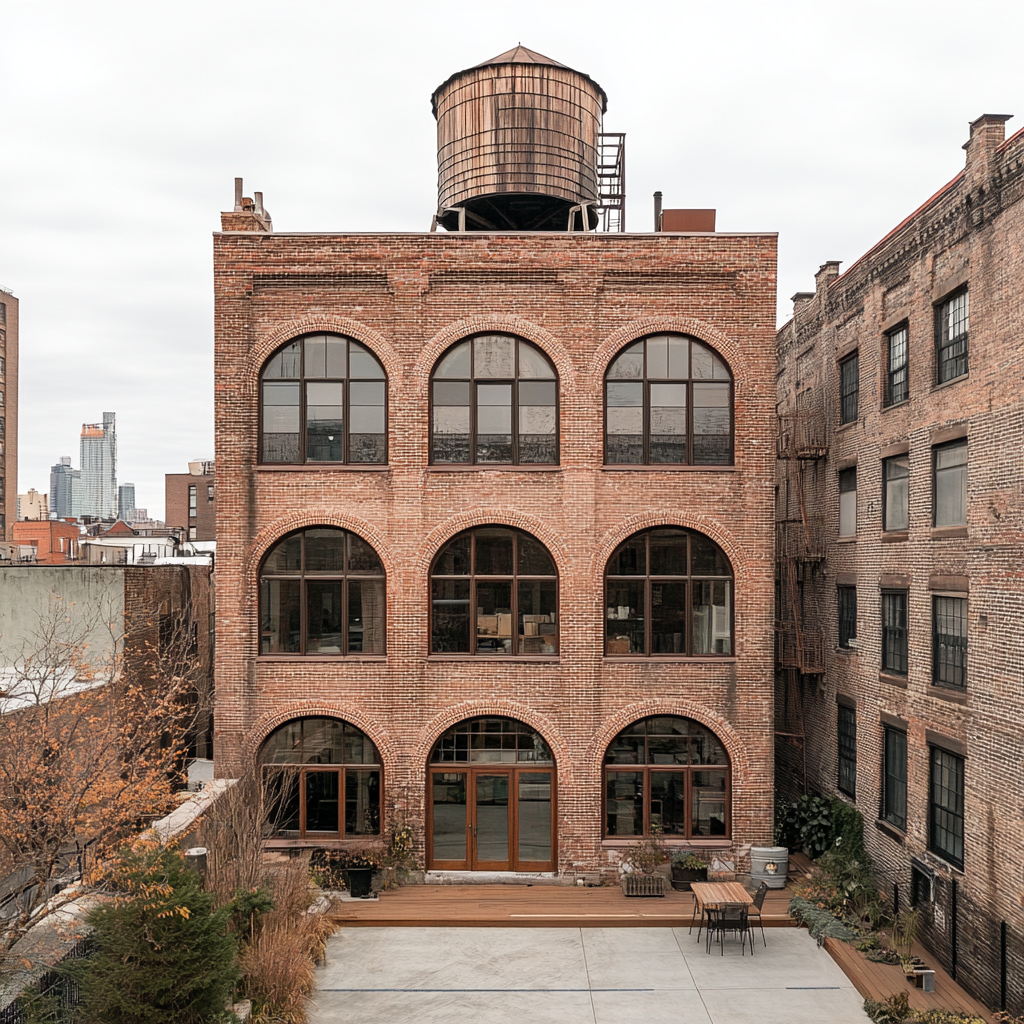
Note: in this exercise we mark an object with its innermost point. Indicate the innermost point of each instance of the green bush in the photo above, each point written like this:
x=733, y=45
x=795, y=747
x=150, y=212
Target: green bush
x=161, y=951
x=848, y=830
x=807, y=824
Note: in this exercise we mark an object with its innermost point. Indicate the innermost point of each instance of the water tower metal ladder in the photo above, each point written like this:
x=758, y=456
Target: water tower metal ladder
x=611, y=179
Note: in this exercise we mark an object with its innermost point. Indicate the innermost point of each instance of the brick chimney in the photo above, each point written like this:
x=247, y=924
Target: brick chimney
x=248, y=214
x=987, y=135
x=826, y=272
x=800, y=299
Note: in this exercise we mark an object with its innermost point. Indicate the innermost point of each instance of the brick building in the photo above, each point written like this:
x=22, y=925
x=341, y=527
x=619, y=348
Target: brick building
x=190, y=501
x=53, y=541
x=8, y=413
x=900, y=540
x=441, y=580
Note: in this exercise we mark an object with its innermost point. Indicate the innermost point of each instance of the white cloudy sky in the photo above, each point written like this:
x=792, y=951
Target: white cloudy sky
x=122, y=125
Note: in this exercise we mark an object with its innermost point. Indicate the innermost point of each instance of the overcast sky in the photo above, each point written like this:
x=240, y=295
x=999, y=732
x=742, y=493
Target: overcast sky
x=123, y=124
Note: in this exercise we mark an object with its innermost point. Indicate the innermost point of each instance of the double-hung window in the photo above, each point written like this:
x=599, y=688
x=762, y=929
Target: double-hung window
x=894, y=792
x=949, y=641
x=849, y=388
x=946, y=806
x=896, y=493
x=897, y=381
x=951, y=484
x=847, y=617
x=894, y=632
x=847, y=726
x=951, y=330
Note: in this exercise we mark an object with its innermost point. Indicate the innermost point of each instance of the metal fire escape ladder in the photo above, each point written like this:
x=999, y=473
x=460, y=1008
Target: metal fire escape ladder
x=611, y=181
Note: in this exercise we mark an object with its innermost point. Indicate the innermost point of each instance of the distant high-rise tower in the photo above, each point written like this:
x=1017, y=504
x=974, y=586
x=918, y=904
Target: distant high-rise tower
x=126, y=503
x=99, y=468
x=8, y=412
x=65, y=489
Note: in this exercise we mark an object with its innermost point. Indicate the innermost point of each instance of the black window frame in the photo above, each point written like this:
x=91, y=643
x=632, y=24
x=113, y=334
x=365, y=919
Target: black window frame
x=513, y=578
x=961, y=470
x=897, y=365
x=304, y=577
x=887, y=477
x=895, y=635
x=474, y=382
x=894, y=776
x=651, y=580
x=946, y=804
x=849, y=388
x=949, y=650
x=846, y=599
x=302, y=380
x=278, y=773
x=688, y=381
x=952, y=346
x=846, y=749
x=648, y=767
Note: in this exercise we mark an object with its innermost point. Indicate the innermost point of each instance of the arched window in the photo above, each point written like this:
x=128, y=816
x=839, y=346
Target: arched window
x=670, y=773
x=494, y=401
x=323, y=399
x=668, y=591
x=322, y=592
x=340, y=796
x=668, y=401
x=492, y=792
x=494, y=590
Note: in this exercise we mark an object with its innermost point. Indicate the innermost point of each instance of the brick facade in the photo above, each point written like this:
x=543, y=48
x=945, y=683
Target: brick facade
x=177, y=511
x=580, y=298
x=969, y=235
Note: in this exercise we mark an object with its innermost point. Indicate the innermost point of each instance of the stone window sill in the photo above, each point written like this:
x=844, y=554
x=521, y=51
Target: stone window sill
x=329, y=659
x=668, y=659
x=894, y=536
x=496, y=468
x=318, y=467
x=896, y=405
x=665, y=468
x=497, y=659
x=890, y=830
x=953, y=380
x=947, y=532
x=893, y=680
x=948, y=694
x=718, y=843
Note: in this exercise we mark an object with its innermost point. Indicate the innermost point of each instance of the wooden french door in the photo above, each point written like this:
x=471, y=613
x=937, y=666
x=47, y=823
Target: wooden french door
x=492, y=819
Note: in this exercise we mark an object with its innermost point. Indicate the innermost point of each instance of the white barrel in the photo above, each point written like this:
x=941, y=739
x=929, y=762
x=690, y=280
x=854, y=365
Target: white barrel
x=769, y=864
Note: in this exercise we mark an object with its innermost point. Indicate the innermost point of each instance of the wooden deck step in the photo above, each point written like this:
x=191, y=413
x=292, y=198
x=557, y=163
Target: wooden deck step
x=532, y=907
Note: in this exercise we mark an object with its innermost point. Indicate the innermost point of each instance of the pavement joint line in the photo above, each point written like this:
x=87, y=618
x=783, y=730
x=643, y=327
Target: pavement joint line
x=471, y=990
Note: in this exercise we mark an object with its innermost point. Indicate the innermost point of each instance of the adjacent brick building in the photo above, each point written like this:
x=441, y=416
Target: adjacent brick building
x=53, y=541
x=191, y=503
x=8, y=413
x=440, y=492
x=900, y=523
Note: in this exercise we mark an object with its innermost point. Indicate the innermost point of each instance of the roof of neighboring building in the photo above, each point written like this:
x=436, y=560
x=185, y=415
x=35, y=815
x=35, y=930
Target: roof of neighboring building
x=519, y=54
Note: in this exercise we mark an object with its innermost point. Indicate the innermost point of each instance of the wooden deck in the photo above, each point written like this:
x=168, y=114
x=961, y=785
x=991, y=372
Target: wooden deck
x=544, y=906
x=879, y=981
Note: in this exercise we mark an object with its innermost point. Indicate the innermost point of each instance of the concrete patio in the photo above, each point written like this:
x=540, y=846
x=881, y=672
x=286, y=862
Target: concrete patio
x=577, y=976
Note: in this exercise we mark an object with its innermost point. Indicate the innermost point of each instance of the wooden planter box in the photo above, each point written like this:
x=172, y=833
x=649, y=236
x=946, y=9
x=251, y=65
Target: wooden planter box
x=682, y=878
x=643, y=885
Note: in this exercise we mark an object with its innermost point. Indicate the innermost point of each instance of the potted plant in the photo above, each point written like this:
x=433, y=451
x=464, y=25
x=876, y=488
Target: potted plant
x=639, y=867
x=356, y=863
x=688, y=867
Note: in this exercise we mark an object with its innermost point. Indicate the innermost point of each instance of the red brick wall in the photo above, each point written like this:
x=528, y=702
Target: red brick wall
x=973, y=234
x=176, y=487
x=580, y=298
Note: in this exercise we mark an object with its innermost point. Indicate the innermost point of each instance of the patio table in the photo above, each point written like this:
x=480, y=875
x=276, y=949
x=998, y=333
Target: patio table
x=708, y=894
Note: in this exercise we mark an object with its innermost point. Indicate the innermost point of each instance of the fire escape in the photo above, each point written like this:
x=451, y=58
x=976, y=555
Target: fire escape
x=611, y=180
x=799, y=556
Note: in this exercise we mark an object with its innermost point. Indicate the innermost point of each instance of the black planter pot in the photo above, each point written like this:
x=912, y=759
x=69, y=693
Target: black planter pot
x=682, y=877
x=359, y=882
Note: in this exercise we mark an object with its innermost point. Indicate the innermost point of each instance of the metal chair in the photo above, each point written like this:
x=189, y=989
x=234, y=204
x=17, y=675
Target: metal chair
x=755, y=909
x=728, y=917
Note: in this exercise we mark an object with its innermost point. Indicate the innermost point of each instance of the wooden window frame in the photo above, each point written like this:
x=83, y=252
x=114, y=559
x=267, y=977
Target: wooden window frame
x=890, y=337
x=960, y=442
x=885, y=493
x=473, y=381
x=513, y=578
x=303, y=577
x=936, y=755
x=688, y=382
x=937, y=647
x=944, y=344
x=301, y=381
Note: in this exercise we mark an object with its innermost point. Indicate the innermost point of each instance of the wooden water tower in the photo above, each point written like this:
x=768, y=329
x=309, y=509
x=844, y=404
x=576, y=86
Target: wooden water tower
x=517, y=146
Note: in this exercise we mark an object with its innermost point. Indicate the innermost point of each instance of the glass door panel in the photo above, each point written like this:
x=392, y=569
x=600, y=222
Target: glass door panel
x=322, y=801
x=533, y=816
x=492, y=821
x=448, y=805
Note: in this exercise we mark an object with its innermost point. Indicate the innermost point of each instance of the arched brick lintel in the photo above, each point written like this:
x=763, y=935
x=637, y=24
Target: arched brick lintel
x=323, y=709
x=486, y=516
x=719, y=341
x=438, y=726
x=266, y=346
x=503, y=324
